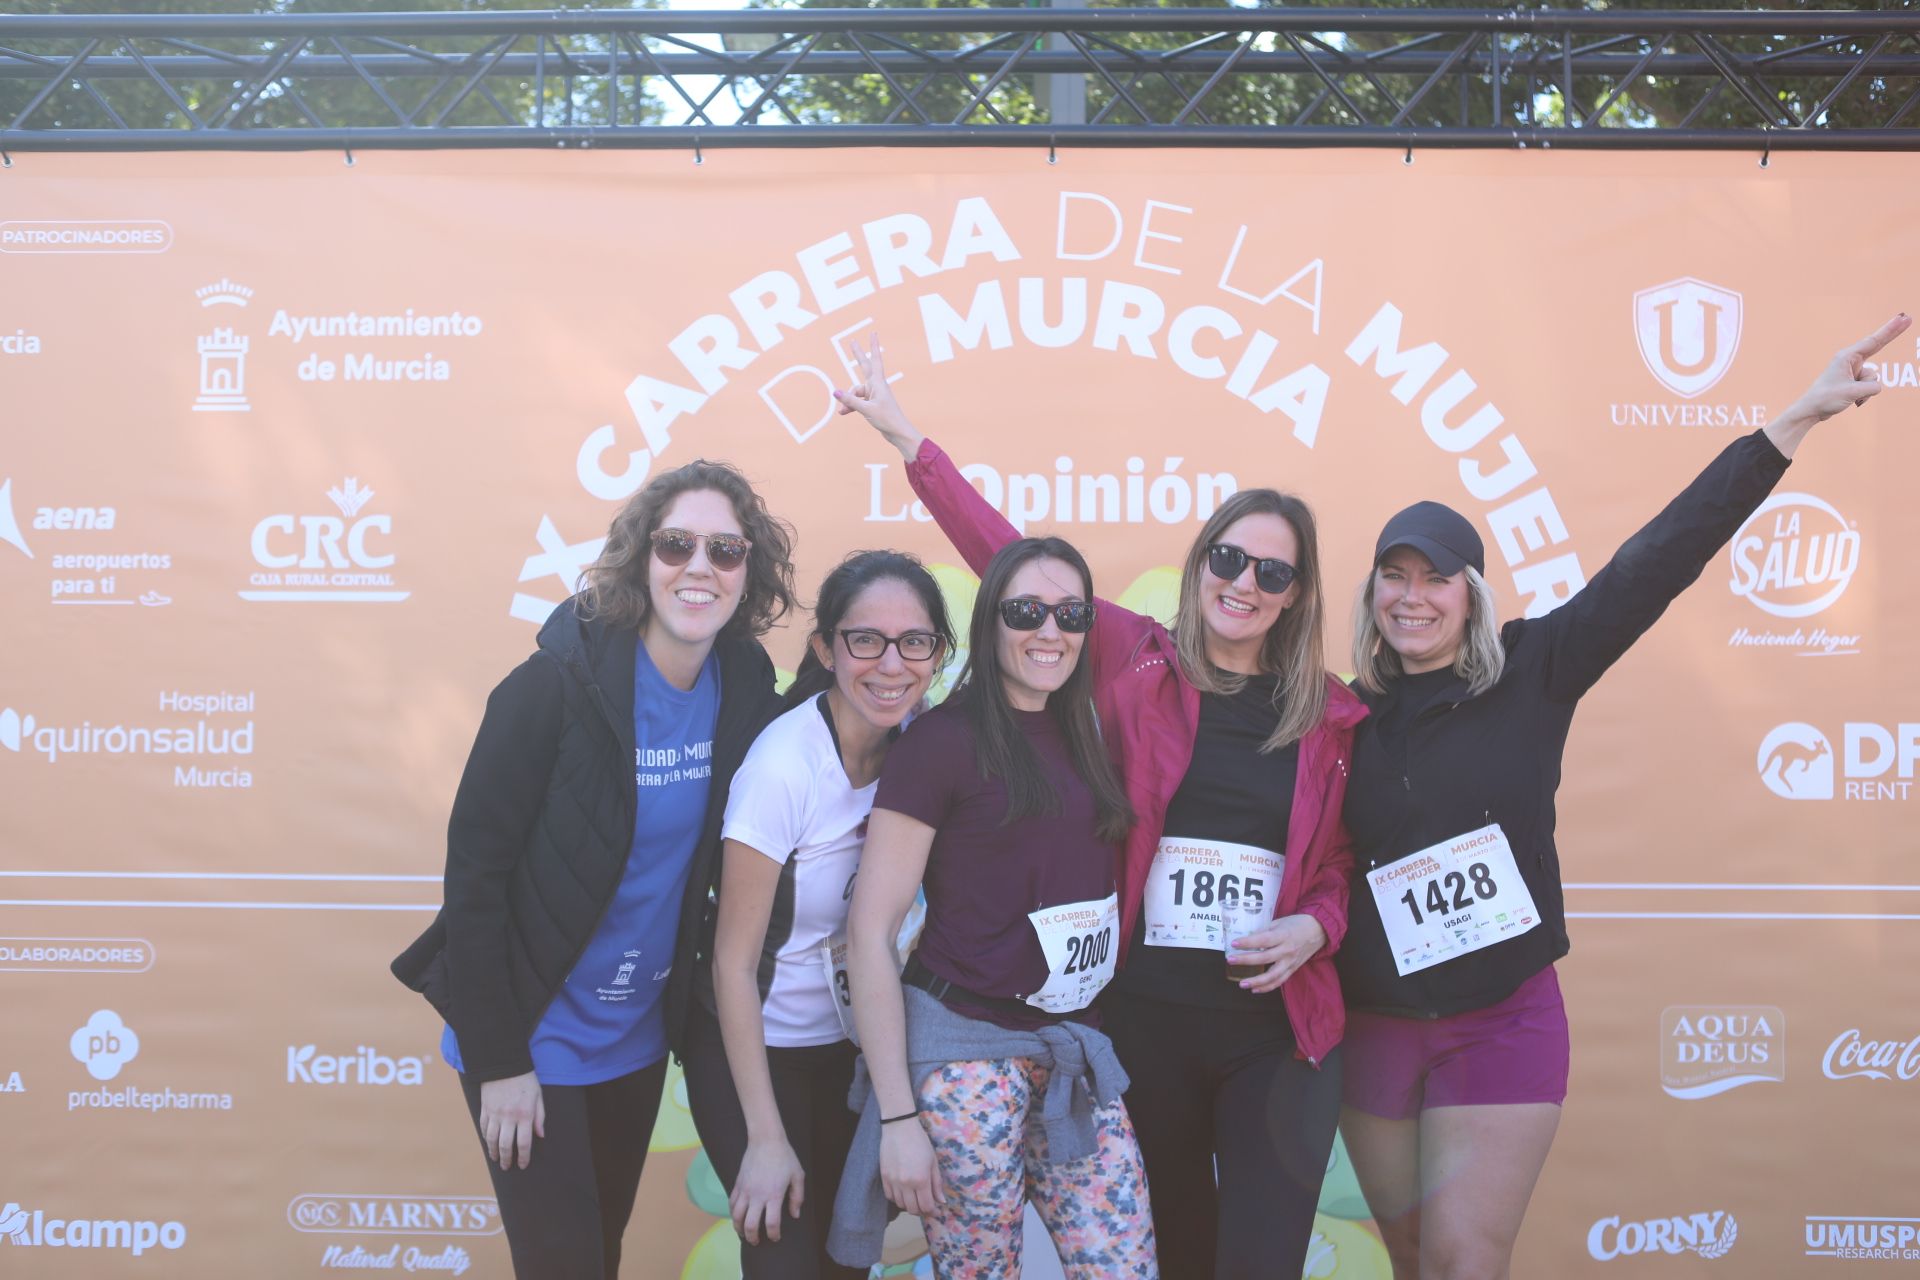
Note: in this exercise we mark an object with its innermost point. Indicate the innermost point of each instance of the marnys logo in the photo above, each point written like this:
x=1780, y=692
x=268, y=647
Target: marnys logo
x=1711, y=1235
x=1851, y=1057
x=1688, y=332
x=314, y=559
x=1796, y=761
x=32, y=1227
x=1708, y=1049
x=1864, y=1237
x=395, y=1215
x=453, y=1259
x=104, y=1045
x=365, y=1065
x=1793, y=558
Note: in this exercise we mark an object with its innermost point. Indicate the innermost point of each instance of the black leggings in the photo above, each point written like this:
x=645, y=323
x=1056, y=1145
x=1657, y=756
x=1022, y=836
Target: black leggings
x=1212, y=1085
x=810, y=1088
x=565, y=1212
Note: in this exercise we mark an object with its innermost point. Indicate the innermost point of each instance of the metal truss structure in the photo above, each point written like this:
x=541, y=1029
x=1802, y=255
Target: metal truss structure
x=1213, y=76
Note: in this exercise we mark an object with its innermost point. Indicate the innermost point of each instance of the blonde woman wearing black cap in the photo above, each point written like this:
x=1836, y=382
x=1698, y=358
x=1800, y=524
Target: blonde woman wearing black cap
x=1457, y=1048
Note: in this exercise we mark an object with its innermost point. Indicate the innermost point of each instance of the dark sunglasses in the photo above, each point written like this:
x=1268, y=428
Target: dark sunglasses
x=1226, y=561
x=1074, y=616
x=675, y=547
x=914, y=646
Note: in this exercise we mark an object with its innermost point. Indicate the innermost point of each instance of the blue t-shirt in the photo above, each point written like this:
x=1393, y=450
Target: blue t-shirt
x=609, y=1018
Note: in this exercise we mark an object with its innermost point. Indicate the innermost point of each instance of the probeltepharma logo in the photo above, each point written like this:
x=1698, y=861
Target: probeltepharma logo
x=1851, y=1056
x=32, y=1228
x=1865, y=1237
x=1706, y=1050
x=1710, y=1235
x=395, y=1215
x=82, y=571
x=1794, y=558
x=320, y=559
x=1688, y=332
x=365, y=1065
x=104, y=1044
x=1797, y=761
x=219, y=744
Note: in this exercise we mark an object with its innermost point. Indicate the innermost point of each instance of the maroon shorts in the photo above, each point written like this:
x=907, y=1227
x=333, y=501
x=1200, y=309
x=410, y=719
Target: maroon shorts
x=1514, y=1051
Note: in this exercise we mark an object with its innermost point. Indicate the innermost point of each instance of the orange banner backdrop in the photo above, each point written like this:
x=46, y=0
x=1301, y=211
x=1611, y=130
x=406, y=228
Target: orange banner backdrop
x=296, y=453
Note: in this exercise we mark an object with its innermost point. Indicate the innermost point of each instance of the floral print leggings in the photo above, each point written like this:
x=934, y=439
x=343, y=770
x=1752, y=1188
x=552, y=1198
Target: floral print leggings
x=993, y=1161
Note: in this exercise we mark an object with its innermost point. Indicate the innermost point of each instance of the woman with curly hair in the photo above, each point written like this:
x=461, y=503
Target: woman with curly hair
x=583, y=849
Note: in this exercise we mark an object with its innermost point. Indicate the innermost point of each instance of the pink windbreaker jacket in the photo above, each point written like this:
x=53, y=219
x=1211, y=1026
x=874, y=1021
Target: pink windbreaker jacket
x=1150, y=715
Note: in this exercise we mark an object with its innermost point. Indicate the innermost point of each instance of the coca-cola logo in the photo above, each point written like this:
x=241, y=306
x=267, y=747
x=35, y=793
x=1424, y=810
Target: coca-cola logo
x=1853, y=1056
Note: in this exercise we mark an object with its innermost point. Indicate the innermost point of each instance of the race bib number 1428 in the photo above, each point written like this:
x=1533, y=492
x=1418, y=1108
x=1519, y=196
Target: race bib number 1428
x=1452, y=899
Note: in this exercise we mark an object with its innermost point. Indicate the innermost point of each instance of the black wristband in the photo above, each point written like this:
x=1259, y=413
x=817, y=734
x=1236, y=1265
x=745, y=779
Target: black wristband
x=908, y=1116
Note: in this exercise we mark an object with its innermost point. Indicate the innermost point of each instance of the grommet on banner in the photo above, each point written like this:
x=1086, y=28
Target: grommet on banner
x=6, y=161
x=1408, y=158
x=1766, y=152
x=697, y=157
x=349, y=155
x=1053, y=155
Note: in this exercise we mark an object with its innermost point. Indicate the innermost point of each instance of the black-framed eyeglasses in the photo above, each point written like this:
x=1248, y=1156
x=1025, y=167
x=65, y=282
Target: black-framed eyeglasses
x=914, y=646
x=724, y=550
x=1025, y=614
x=1226, y=561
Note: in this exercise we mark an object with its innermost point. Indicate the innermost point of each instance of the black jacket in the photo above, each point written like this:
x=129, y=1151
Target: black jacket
x=1496, y=758
x=540, y=833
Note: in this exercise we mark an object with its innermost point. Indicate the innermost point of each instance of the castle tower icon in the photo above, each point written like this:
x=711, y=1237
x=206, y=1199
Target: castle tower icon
x=223, y=373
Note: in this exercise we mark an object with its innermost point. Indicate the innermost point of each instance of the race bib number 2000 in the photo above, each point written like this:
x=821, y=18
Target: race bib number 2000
x=1081, y=946
x=1451, y=899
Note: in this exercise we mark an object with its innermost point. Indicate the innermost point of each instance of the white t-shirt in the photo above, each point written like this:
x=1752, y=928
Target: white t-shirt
x=791, y=800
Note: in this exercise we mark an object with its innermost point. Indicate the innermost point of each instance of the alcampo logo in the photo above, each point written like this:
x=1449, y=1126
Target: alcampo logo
x=29, y=1228
x=1705, y=1050
x=104, y=1045
x=1797, y=761
x=1711, y=1235
x=1688, y=331
x=365, y=1065
x=1794, y=556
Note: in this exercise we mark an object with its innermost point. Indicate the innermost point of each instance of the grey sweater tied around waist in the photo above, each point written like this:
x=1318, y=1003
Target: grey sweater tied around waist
x=1085, y=1075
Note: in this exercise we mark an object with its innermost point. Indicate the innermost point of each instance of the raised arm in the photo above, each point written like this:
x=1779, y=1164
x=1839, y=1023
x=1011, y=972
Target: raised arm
x=1593, y=630
x=891, y=867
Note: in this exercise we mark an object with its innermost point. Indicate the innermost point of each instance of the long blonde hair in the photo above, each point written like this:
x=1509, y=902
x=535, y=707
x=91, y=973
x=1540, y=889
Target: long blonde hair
x=1481, y=658
x=1294, y=648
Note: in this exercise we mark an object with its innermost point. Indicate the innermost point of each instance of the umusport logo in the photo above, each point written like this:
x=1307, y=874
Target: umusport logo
x=1710, y=1235
x=394, y=1215
x=31, y=1228
x=1868, y=1237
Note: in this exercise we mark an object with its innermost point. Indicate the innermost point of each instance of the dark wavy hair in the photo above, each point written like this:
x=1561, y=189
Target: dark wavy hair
x=1000, y=749
x=613, y=588
x=860, y=570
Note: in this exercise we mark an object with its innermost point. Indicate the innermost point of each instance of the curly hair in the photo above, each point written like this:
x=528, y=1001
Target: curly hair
x=614, y=587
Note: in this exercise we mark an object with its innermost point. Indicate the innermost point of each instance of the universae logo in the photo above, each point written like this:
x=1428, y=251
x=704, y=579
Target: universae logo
x=1688, y=331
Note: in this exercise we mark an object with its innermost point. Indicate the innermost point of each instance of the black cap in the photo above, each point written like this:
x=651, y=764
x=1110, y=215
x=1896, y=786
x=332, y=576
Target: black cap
x=1437, y=532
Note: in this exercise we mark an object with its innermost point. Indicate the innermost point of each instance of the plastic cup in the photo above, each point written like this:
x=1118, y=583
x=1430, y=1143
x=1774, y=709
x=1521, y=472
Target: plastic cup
x=1240, y=916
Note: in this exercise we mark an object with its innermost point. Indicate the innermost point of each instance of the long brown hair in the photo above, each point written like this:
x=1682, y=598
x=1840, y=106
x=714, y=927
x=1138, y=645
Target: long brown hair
x=1294, y=648
x=1000, y=750
x=614, y=587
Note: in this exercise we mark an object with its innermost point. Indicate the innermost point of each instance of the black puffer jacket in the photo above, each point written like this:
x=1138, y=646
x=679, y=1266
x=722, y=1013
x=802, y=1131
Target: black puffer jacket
x=540, y=833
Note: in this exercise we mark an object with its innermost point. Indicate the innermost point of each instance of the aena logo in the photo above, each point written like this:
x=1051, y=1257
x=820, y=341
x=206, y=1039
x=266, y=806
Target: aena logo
x=9, y=527
x=1794, y=556
x=1797, y=762
x=365, y=1065
x=1688, y=331
x=104, y=1045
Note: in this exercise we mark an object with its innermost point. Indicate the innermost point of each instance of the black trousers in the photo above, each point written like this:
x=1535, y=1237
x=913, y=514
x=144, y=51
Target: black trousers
x=810, y=1088
x=1215, y=1089
x=565, y=1212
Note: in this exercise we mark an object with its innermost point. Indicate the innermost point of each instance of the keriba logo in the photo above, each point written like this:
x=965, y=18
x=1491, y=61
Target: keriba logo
x=1688, y=331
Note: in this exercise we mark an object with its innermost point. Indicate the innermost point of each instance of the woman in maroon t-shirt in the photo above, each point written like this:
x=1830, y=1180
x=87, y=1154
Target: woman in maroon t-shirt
x=1003, y=804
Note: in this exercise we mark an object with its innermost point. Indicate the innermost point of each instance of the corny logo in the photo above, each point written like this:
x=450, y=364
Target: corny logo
x=1710, y=1235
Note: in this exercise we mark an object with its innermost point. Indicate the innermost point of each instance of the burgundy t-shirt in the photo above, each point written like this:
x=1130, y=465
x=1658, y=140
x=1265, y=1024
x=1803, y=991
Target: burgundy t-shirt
x=983, y=877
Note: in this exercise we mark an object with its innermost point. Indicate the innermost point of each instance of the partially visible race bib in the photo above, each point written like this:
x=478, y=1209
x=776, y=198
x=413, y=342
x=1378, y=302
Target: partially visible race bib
x=1452, y=899
x=1081, y=948
x=1190, y=876
x=833, y=964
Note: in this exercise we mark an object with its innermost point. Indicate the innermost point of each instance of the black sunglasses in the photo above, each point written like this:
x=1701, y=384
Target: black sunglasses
x=1226, y=561
x=725, y=551
x=1023, y=614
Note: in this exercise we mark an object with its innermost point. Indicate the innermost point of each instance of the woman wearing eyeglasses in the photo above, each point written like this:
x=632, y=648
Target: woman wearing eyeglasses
x=581, y=853
x=1232, y=742
x=987, y=1084
x=768, y=1078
